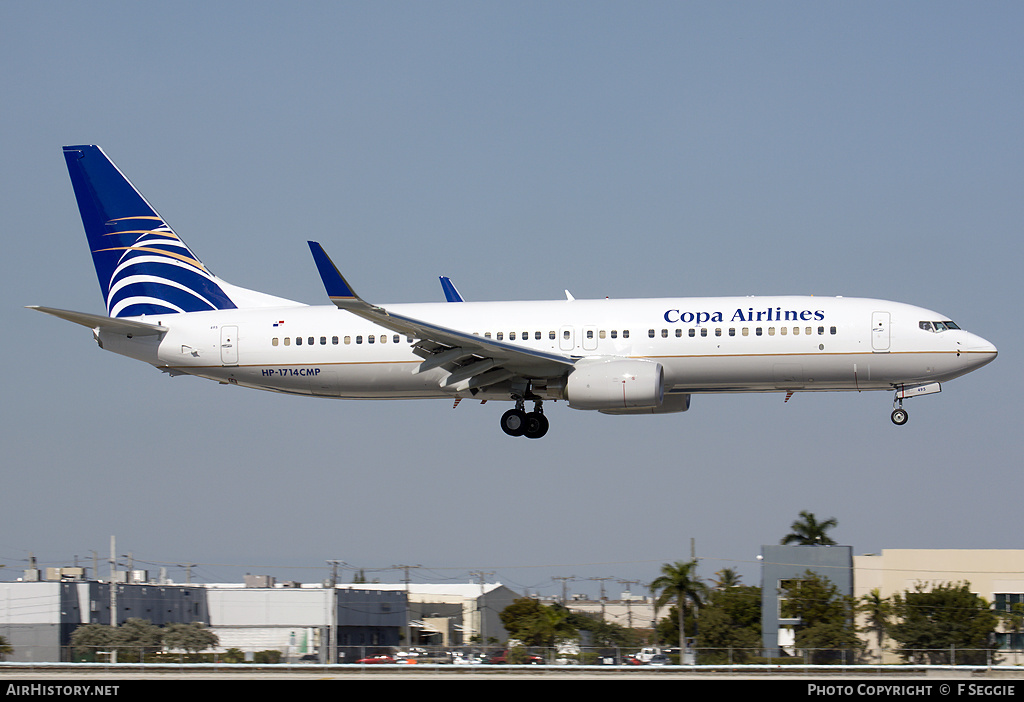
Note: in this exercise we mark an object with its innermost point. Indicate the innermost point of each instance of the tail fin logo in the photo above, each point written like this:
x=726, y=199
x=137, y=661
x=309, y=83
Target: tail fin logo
x=155, y=272
x=143, y=267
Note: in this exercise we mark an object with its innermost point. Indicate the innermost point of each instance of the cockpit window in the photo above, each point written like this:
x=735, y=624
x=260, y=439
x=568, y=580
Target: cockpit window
x=937, y=326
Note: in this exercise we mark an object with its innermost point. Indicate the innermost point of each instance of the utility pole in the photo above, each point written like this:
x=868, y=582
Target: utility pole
x=480, y=604
x=408, y=629
x=565, y=580
x=332, y=646
x=113, y=592
x=629, y=602
x=602, y=599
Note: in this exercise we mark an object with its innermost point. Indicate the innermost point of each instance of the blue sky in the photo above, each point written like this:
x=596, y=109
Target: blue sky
x=621, y=149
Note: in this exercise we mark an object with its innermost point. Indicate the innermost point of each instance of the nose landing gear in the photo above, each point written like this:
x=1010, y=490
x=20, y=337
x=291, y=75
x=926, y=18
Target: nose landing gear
x=899, y=415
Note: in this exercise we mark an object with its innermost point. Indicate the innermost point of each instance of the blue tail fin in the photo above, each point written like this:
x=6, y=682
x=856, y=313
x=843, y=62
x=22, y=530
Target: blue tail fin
x=142, y=265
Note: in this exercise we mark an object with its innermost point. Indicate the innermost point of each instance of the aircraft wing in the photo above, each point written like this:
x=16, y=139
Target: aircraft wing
x=467, y=355
x=101, y=323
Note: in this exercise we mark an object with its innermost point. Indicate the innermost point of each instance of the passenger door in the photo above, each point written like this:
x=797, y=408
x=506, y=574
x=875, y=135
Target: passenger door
x=229, y=345
x=880, y=338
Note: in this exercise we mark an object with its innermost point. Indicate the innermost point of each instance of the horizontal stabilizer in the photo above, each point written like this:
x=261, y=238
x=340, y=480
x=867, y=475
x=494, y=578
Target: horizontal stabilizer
x=110, y=324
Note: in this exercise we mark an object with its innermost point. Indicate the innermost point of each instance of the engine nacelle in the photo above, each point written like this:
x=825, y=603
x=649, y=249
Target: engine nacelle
x=616, y=385
x=672, y=403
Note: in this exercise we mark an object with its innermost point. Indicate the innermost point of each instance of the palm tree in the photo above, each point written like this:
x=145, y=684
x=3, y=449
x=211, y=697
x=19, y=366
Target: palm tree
x=678, y=581
x=878, y=610
x=807, y=531
x=727, y=577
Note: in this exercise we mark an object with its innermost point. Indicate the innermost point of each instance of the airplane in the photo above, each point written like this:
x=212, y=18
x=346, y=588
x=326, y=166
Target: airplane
x=617, y=357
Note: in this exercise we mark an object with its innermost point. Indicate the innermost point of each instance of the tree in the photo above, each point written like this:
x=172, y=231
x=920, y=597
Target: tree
x=602, y=633
x=726, y=578
x=678, y=582
x=191, y=638
x=807, y=531
x=88, y=639
x=536, y=624
x=877, y=611
x=1013, y=623
x=137, y=637
x=730, y=625
x=826, y=626
x=5, y=648
x=946, y=621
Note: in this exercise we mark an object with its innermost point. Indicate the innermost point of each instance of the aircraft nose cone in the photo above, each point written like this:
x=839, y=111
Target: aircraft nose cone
x=980, y=350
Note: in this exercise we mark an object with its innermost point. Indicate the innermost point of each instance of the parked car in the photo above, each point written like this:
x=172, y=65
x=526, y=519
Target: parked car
x=659, y=659
x=501, y=657
x=463, y=658
x=376, y=659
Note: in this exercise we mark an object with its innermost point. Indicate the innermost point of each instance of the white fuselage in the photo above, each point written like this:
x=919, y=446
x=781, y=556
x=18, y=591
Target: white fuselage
x=706, y=345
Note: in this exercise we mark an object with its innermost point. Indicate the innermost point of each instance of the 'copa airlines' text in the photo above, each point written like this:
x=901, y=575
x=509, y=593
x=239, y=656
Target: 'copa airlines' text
x=776, y=314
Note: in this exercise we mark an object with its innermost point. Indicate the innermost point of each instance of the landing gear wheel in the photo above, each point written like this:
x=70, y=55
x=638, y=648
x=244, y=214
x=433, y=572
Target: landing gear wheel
x=536, y=425
x=514, y=422
x=900, y=416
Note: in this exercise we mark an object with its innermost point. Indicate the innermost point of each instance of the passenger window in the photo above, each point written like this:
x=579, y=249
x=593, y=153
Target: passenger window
x=334, y=340
x=537, y=336
x=396, y=338
x=664, y=333
x=718, y=332
x=602, y=334
x=500, y=336
x=566, y=334
x=311, y=341
x=796, y=331
x=383, y=338
x=732, y=331
x=590, y=333
x=348, y=340
x=625, y=333
x=273, y=342
x=821, y=330
x=758, y=331
x=298, y=341
x=692, y=333
x=287, y=341
x=832, y=330
x=487, y=335
x=808, y=331
x=511, y=336
x=615, y=333
x=771, y=331
x=370, y=338
x=703, y=331
x=782, y=330
x=746, y=331
x=551, y=335
x=323, y=341
x=359, y=339
x=650, y=333
x=679, y=333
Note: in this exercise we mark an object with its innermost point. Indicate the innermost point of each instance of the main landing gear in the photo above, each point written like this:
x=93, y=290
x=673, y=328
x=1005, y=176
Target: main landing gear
x=519, y=422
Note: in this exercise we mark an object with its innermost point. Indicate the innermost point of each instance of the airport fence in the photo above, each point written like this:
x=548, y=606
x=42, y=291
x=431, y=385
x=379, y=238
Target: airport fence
x=560, y=656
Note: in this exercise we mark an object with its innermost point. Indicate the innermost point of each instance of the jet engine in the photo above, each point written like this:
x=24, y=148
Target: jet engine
x=621, y=384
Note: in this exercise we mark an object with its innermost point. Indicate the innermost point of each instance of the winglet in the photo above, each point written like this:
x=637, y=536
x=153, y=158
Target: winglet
x=337, y=287
x=450, y=293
